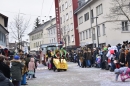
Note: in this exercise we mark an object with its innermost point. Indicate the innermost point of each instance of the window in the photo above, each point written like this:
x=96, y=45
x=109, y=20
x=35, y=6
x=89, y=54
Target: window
x=70, y=2
x=98, y=28
x=92, y=15
x=64, y=18
x=68, y=39
x=66, y=5
x=34, y=45
x=63, y=7
x=103, y=27
x=71, y=26
x=89, y=33
x=94, y=36
x=60, y=9
x=125, y=26
x=67, y=27
x=70, y=14
x=60, y=20
x=72, y=38
x=80, y=36
x=86, y=16
x=54, y=40
x=81, y=20
x=86, y=34
x=99, y=10
x=83, y=35
x=67, y=17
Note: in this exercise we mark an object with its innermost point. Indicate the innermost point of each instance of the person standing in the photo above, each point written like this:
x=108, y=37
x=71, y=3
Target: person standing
x=4, y=81
x=16, y=69
x=4, y=68
x=31, y=67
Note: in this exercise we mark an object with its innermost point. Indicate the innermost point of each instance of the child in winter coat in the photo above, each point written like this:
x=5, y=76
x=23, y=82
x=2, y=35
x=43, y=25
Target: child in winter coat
x=98, y=61
x=31, y=67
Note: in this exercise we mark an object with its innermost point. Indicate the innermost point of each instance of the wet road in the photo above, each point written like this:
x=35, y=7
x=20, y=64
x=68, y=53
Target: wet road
x=75, y=76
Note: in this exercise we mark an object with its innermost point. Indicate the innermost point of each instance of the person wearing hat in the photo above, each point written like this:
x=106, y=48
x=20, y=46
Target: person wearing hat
x=16, y=69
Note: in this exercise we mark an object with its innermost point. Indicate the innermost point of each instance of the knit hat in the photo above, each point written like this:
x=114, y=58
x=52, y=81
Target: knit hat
x=16, y=57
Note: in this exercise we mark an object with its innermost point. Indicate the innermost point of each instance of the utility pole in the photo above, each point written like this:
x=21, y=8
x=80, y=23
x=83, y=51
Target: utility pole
x=97, y=32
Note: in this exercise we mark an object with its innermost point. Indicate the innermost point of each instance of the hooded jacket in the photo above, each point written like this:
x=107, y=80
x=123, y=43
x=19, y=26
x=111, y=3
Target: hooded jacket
x=31, y=64
x=16, y=70
x=4, y=81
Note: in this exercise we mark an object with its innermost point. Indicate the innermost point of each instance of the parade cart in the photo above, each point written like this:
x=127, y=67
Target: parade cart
x=52, y=47
x=60, y=64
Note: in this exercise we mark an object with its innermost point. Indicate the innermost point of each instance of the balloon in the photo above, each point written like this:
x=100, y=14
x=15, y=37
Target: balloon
x=112, y=51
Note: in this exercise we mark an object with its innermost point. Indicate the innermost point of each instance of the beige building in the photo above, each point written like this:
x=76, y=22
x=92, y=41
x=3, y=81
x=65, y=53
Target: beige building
x=67, y=22
x=40, y=35
x=4, y=43
x=108, y=33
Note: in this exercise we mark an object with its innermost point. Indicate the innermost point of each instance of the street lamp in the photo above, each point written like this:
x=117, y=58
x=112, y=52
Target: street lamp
x=97, y=31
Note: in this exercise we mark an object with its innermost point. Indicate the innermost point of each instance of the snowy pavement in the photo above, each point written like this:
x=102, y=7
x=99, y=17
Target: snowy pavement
x=75, y=76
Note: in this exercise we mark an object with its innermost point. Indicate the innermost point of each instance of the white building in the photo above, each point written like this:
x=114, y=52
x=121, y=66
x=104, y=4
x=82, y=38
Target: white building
x=4, y=43
x=68, y=22
x=52, y=33
x=107, y=33
x=40, y=35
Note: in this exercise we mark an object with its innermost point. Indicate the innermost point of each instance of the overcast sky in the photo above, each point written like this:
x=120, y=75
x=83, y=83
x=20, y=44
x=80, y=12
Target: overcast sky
x=29, y=9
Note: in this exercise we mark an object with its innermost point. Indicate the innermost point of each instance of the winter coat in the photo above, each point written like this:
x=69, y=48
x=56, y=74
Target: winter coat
x=24, y=68
x=89, y=55
x=128, y=59
x=31, y=64
x=4, y=81
x=27, y=60
x=122, y=59
x=16, y=70
x=104, y=57
x=85, y=55
x=5, y=69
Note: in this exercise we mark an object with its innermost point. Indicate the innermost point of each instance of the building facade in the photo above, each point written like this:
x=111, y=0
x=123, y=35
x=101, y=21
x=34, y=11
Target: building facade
x=52, y=34
x=40, y=35
x=68, y=22
x=93, y=24
x=3, y=31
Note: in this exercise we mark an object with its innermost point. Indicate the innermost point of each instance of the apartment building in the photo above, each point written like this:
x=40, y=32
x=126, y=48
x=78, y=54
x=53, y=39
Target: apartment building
x=93, y=24
x=68, y=22
x=52, y=34
x=40, y=35
x=3, y=31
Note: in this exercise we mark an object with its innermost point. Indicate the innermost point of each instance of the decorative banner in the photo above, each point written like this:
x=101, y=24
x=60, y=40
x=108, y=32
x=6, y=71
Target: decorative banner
x=57, y=20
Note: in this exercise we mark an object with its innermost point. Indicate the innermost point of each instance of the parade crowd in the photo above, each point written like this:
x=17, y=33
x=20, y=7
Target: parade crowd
x=108, y=57
x=16, y=69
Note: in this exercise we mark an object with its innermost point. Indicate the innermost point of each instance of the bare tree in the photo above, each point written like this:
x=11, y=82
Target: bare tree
x=119, y=8
x=18, y=27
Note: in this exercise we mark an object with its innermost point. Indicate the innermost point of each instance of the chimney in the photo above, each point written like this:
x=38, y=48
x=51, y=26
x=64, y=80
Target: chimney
x=42, y=21
x=51, y=20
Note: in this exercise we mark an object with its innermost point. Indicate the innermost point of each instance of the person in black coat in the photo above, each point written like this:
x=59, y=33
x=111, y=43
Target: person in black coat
x=122, y=59
x=4, y=68
x=4, y=81
x=128, y=59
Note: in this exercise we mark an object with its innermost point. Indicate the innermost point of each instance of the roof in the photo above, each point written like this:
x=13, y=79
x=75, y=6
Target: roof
x=40, y=28
x=4, y=29
x=5, y=20
x=52, y=26
x=82, y=6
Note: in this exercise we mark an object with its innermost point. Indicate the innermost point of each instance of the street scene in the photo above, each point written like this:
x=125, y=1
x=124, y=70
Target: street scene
x=65, y=43
x=75, y=76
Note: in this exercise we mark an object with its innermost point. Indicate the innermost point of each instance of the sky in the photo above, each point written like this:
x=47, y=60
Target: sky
x=29, y=10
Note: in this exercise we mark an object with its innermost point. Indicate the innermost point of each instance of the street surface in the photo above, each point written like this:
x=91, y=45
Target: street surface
x=75, y=76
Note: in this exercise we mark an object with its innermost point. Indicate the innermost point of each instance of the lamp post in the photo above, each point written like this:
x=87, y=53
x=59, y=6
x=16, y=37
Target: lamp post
x=97, y=31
